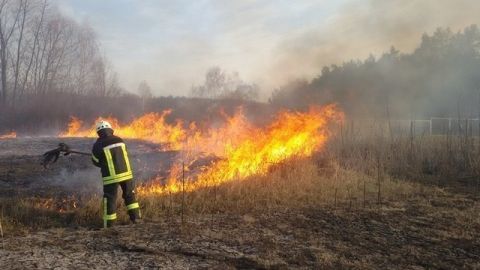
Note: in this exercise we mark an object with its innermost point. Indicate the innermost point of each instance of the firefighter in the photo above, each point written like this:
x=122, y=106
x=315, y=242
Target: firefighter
x=109, y=153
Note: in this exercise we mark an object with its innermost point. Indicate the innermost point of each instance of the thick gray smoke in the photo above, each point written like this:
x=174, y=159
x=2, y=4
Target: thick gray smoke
x=362, y=28
x=268, y=42
x=400, y=59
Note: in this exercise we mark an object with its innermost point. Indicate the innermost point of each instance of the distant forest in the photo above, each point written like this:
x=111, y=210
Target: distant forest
x=441, y=78
x=51, y=68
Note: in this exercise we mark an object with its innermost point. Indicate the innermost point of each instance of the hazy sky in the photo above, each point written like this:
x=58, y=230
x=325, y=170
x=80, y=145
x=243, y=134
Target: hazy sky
x=171, y=44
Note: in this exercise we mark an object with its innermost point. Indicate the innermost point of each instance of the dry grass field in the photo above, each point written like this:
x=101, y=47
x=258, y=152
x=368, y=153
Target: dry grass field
x=362, y=203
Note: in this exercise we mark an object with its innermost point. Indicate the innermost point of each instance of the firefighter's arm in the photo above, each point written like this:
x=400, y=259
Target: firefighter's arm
x=95, y=156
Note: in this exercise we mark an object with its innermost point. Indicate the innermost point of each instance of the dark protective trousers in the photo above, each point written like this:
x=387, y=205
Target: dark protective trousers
x=110, y=198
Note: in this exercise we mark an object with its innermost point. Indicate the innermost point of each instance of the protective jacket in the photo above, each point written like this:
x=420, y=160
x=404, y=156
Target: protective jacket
x=110, y=154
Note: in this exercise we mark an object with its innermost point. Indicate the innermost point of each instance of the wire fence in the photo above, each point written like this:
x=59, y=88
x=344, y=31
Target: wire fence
x=418, y=127
x=437, y=126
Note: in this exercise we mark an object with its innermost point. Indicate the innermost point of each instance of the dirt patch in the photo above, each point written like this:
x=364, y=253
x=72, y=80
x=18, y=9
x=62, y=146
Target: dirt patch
x=414, y=234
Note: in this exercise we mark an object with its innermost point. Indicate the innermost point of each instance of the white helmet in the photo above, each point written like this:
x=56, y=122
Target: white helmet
x=102, y=124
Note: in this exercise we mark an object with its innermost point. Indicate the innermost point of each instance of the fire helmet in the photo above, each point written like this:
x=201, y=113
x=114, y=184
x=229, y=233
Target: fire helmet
x=102, y=124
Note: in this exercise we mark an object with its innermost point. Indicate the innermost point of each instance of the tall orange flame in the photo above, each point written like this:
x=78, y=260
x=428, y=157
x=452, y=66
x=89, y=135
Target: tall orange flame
x=244, y=149
x=151, y=127
x=292, y=134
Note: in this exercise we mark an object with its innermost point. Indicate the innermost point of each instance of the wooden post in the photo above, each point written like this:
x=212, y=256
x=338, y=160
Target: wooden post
x=350, y=198
x=364, y=193
x=1, y=229
x=412, y=135
x=170, y=210
x=183, y=189
x=335, y=203
x=379, y=198
x=430, y=126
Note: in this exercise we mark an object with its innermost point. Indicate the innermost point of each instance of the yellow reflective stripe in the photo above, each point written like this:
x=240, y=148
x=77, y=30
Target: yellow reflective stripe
x=111, y=217
x=104, y=212
x=106, y=216
x=116, y=176
x=116, y=180
x=108, y=156
x=95, y=158
x=125, y=156
x=113, y=145
x=133, y=206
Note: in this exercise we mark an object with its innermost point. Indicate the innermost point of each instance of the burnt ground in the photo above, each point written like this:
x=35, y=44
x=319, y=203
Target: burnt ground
x=431, y=232
x=21, y=174
x=410, y=235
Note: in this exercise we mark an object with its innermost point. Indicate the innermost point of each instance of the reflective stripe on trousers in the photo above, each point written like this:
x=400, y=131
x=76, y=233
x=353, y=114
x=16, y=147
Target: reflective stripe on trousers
x=106, y=216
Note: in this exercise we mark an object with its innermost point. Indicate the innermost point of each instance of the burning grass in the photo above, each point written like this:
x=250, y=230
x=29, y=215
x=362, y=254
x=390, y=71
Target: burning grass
x=289, y=135
x=244, y=150
x=294, y=184
x=150, y=127
x=10, y=135
x=349, y=197
x=258, y=168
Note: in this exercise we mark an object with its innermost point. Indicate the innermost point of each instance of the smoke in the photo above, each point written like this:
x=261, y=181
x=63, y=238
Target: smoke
x=79, y=177
x=171, y=44
x=84, y=181
x=361, y=28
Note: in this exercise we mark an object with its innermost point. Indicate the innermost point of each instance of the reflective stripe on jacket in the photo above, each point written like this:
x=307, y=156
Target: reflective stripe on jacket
x=110, y=154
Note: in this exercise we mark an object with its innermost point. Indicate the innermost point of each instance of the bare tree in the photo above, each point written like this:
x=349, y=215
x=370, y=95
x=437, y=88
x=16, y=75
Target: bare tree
x=220, y=84
x=36, y=26
x=144, y=90
x=24, y=6
x=9, y=16
x=46, y=56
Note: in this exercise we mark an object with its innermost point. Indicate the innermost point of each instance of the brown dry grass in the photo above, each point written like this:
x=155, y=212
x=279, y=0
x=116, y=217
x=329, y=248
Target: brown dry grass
x=358, y=169
x=364, y=202
x=352, y=172
x=299, y=183
x=295, y=184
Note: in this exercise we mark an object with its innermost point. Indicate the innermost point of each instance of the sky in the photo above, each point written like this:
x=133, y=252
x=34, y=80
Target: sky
x=171, y=44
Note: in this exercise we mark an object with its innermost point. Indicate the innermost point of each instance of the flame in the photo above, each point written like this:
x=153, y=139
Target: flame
x=61, y=205
x=153, y=127
x=150, y=127
x=256, y=150
x=10, y=135
x=243, y=148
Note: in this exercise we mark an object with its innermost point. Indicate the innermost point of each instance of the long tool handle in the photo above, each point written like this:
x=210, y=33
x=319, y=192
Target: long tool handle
x=80, y=153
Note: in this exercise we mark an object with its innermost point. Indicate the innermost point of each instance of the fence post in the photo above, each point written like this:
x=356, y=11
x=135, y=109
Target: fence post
x=430, y=126
x=183, y=190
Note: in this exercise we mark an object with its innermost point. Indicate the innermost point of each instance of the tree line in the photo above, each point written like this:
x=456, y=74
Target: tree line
x=51, y=67
x=219, y=84
x=42, y=52
x=440, y=78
